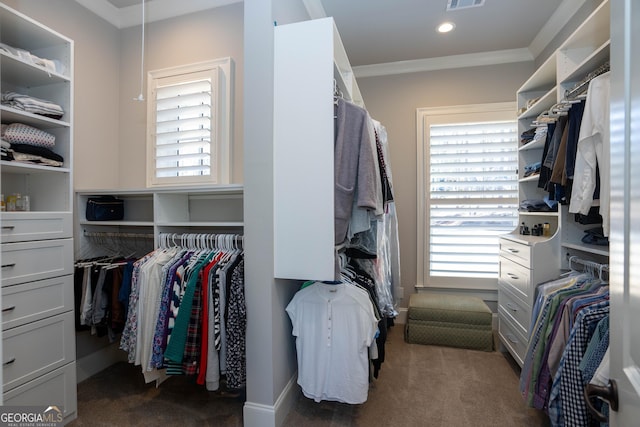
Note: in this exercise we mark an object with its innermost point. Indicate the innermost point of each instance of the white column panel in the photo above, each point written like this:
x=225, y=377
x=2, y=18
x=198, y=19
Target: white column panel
x=303, y=151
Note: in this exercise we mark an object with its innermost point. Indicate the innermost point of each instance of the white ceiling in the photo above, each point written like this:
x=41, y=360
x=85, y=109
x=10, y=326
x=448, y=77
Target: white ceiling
x=390, y=36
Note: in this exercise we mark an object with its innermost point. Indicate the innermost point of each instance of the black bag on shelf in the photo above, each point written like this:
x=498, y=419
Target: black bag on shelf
x=105, y=208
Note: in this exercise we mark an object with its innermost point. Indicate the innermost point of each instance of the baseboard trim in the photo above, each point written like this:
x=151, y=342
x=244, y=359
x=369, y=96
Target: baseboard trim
x=98, y=361
x=401, y=318
x=259, y=415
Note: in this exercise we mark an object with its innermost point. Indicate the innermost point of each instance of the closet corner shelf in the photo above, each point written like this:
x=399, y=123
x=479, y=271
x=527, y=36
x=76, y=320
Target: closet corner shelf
x=209, y=189
x=597, y=250
x=119, y=223
x=527, y=213
x=218, y=224
x=17, y=167
x=25, y=73
x=530, y=178
x=545, y=101
x=526, y=240
x=532, y=145
x=10, y=114
x=598, y=57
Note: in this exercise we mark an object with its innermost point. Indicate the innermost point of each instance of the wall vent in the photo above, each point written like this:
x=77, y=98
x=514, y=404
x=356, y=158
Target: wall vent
x=463, y=4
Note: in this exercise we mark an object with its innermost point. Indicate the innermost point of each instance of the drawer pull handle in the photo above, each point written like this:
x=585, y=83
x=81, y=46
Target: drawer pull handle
x=513, y=276
x=8, y=265
x=512, y=338
x=8, y=227
x=9, y=362
x=513, y=251
x=5, y=310
x=511, y=307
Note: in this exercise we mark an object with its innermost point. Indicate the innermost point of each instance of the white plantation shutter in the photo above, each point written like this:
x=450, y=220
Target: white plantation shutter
x=184, y=128
x=472, y=191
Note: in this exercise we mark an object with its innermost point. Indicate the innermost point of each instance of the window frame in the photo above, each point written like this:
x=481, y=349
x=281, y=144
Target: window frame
x=221, y=71
x=499, y=111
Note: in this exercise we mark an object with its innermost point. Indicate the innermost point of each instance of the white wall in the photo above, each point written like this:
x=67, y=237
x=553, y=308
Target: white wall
x=209, y=34
x=96, y=85
x=271, y=363
x=393, y=101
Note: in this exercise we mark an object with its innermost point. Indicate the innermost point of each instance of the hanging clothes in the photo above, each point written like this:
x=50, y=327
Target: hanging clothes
x=563, y=350
x=593, y=151
x=185, y=302
x=334, y=326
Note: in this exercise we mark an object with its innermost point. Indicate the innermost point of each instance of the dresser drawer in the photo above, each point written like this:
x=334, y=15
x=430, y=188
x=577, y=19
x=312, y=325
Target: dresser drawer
x=519, y=311
x=33, y=301
x=28, y=226
x=515, y=251
x=512, y=339
x=36, y=348
x=56, y=388
x=28, y=261
x=517, y=276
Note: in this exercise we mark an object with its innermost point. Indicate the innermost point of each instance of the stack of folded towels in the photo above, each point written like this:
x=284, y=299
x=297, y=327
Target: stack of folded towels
x=24, y=143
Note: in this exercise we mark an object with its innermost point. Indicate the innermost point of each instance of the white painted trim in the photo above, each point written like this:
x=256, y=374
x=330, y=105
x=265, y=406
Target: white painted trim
x=401, y=318
x=98, y=361
x=103, y=9
x=315, y=9
x=565, y=11
x=156, y=10
x=444, y=62
x=259, y=415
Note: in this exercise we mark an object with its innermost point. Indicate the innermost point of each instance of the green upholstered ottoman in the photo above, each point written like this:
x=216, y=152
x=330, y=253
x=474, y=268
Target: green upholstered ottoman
x=449, y=320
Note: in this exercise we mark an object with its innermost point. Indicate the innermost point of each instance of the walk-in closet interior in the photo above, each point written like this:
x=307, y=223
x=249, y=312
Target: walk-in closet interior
x=238, y=198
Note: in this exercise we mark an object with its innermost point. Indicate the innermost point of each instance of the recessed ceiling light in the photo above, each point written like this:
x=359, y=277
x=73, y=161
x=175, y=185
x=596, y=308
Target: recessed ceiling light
x=445, y=27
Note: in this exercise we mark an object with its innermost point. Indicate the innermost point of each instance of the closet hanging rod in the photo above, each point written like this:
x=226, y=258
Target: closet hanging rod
x=589, y=265
x=582, y=86
x=231, y=241
x=117, y=234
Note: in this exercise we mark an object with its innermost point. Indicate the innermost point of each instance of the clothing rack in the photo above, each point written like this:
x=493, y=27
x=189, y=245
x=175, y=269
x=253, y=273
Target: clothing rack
x=583, y=85
x=589, y=266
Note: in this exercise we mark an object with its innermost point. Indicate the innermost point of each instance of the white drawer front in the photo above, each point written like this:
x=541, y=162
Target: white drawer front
x=24, y=262
x=36, y=348
x=55, y=388
x=517, y=276
x=28, y=226
x=512, y=339
x=515, y=251
x=514, y=307
x=33, y=301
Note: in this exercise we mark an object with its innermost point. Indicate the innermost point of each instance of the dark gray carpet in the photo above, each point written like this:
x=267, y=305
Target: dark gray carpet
x=418, y=386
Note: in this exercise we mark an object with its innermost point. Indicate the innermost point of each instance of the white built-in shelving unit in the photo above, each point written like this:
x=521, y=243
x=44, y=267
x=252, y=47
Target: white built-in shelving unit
x=527, y=261
x=38, y=340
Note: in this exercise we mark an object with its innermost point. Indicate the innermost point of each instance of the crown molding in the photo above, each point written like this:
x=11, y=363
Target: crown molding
x=444, y=62
x=315, y=9
x=554, y=25
x=155, y=10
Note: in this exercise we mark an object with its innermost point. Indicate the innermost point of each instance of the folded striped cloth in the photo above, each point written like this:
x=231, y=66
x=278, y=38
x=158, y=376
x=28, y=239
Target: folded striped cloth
x=32, y=105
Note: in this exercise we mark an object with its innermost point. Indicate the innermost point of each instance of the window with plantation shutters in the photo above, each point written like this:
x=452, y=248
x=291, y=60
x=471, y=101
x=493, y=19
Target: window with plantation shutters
x=188, y=130
x=469, y=192
x=184, y=132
